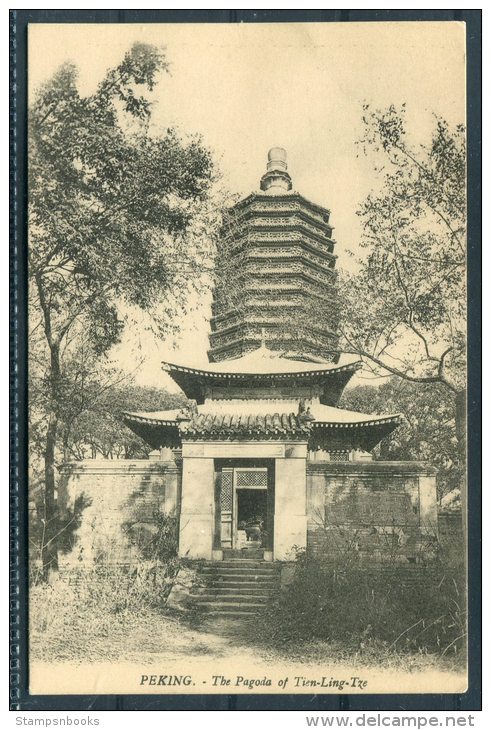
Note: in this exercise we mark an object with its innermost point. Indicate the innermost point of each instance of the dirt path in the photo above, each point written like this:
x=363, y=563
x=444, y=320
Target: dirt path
x=220, y=656
x=214, y=638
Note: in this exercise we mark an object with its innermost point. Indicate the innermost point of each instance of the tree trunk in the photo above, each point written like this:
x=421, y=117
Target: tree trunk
x=51, y=521
x=66, y=451
x=461, y=422
x=461, y=429
x=49, y=549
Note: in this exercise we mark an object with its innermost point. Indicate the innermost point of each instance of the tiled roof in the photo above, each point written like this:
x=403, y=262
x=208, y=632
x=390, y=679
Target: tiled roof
x=264, y=362
x=329, y=425
x=233, y=412
x=153, y=418
x=169, y=427
x=274, y=424
x=340, y=417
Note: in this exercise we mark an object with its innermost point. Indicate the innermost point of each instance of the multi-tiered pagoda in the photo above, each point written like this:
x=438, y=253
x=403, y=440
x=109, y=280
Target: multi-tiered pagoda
x=264, y=412
x=278, y=278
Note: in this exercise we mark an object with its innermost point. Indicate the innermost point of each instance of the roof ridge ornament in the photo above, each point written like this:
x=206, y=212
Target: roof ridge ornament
x=187, y=412
x=304, y=414
x=276, y=178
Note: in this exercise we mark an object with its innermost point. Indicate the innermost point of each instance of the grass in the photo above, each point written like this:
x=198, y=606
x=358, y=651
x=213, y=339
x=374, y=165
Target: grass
x=88, y=615
x=118, y=616
x=374, y=617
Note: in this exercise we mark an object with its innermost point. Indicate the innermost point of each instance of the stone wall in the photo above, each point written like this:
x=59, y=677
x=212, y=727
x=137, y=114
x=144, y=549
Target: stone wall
x=376, y=512
x=115, y=504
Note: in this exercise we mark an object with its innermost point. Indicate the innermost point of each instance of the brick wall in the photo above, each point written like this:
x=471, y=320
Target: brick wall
x=371, y=512
x=115, y=502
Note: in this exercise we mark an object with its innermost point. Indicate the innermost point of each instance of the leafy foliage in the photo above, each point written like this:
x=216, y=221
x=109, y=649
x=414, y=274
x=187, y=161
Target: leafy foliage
x=63, y=530
x=98, y=431
x=427, y=432
x=158, y=540
x=113, y=207
x=372, y=610
x=107, y=198
x=88, y=615
x=404, y=311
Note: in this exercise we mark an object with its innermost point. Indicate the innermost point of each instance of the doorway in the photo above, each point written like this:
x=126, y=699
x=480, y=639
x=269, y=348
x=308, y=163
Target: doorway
x=244, y=505
x=251, y=518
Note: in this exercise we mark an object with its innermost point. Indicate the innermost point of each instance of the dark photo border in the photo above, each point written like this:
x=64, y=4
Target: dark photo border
x=20, y=698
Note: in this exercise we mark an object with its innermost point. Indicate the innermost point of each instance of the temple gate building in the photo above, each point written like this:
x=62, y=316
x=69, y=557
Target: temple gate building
x=263, y=463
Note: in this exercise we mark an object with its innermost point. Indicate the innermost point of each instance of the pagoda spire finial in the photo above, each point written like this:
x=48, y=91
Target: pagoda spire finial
x=276, y=178
x=263, y=337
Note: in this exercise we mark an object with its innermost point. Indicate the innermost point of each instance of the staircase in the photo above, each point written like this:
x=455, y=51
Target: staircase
x=237, y=587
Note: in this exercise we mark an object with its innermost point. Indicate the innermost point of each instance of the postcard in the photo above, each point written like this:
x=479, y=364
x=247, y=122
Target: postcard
x=247, y=358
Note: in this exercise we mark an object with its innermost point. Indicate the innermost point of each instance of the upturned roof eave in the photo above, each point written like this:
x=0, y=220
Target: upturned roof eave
x=192, y=381
x=327, y=371
x=287, y=195
x=171, y=432
x=148, y=420
x=394, y=420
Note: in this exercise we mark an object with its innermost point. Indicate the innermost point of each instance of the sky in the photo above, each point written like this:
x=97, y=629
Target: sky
x=247, y=87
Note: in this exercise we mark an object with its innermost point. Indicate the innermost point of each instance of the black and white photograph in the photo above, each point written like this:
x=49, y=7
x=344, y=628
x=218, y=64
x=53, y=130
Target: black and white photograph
x=247, y=366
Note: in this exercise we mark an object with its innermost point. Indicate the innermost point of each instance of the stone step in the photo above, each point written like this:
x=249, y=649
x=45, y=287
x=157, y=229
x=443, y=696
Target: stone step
x=255, y=553
x=243, y=569
x=240, y=589
x=259, y=580
x=245, y=579
x=234, y=613
x=233, y=606
x=241, y=564
x=230, y=598
x=267, y=585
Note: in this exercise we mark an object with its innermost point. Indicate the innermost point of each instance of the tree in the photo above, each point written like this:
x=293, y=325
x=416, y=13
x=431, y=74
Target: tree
x=111, y=201
x=404, y=310
x=427, y=431
x=99, y=430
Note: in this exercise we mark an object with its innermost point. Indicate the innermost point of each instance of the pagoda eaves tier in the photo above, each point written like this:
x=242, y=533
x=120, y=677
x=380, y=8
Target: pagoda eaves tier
x=278, y=273
x=264, y=396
